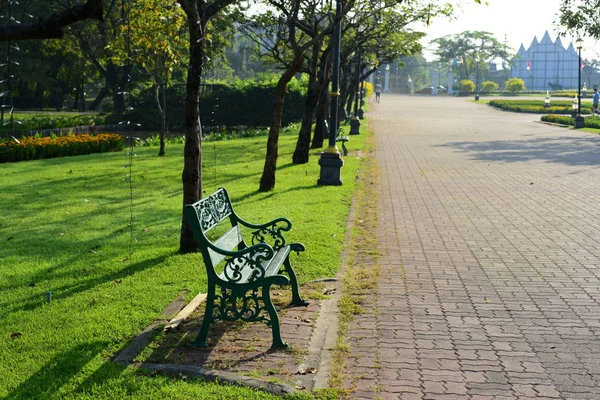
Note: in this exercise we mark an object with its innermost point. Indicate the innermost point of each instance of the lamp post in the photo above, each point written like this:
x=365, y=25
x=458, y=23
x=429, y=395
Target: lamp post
x=579, y=117
x=450, y=80
x=386, y=85
x=477, y=80
x=355, y=123
x=331, y=161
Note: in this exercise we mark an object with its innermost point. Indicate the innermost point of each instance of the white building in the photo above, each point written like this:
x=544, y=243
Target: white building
x=546, y=62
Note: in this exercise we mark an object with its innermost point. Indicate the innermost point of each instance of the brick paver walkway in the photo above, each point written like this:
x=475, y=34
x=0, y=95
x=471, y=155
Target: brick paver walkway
x=489, y=235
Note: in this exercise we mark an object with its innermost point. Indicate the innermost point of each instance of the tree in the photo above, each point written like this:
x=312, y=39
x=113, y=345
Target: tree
x=466, y=86
x=515, y=85
x=41, y=73
x=416, y=67
x=199, y=13
x=465, y=50
x=378, y=31
x=489, y=86
x=93, y=44
x=52, y=27
x=588, y=71
x=580, y=16
x=286, y=32
x=154, y=40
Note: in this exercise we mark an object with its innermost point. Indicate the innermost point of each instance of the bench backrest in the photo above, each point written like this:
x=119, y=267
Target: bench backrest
x=211, y=210
x=205, y=215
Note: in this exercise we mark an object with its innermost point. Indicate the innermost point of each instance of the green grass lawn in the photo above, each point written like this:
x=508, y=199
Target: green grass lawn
x=64, y=228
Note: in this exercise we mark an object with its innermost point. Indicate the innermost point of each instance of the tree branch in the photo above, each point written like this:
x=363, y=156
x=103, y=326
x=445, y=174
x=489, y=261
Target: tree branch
x=52, y=27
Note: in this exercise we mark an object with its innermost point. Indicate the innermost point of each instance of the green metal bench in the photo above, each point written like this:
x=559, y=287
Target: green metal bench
x=247, y=272
x=338, y=137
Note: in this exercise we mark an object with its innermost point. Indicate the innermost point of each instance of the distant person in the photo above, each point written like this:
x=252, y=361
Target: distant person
x=377, y=92
x=595, y=101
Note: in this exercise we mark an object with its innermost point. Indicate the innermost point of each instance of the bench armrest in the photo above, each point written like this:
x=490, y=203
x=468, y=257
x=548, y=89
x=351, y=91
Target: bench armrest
x=246, y=265
x=270, y=232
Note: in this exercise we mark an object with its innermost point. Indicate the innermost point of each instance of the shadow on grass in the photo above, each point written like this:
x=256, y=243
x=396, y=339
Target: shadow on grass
x=62, y=292
x=57, y=372
x=574, y=151
x=243, y=198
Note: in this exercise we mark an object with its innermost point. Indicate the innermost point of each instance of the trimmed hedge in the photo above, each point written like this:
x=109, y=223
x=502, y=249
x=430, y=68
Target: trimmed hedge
x=35, y=148
x=49, y=122
x=242, y=103
x=537, y=106
x=589, y=122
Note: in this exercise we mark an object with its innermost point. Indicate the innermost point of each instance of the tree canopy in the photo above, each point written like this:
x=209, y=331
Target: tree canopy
x=465, y=50
x=580, y=17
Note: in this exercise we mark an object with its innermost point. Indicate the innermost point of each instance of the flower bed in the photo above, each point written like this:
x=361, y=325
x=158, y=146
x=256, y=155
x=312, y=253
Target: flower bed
x=35, y=148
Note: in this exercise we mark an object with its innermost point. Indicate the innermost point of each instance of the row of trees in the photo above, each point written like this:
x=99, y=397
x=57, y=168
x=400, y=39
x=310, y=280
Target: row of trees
x=295, y=35
x=148, y=42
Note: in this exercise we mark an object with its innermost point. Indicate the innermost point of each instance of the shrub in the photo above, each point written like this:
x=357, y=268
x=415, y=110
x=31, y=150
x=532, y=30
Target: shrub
x=49, y=122
x=466, y=86
x=590, y=122
x=537, y=106
x=489, y=86
x=370, y=89
x=35, y=148
x=515, y=85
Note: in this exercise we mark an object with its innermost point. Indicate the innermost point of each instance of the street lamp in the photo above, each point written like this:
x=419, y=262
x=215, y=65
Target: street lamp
x=386, y=86
x=331, y=161
x=354, y=122
x=579, y=117
x=477, y=81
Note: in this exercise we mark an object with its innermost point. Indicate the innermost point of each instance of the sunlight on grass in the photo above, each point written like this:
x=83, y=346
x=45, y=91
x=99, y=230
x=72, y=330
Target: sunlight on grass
x=64, y=229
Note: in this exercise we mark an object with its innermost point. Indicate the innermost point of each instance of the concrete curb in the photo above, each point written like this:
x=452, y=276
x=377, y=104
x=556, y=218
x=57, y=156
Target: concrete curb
x=138, y=344
x=179, y=371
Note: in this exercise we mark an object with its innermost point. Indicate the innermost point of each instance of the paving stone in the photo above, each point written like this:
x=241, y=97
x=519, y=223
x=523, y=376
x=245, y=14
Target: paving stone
x=489, y=241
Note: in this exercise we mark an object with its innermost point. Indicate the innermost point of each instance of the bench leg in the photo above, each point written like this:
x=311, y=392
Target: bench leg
x=200, y=341
x=278, y=342
x=296, y=299
x=344, y=149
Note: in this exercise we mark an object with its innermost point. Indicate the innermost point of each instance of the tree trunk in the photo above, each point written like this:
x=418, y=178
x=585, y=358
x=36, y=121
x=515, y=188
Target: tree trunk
x=322, y=113
x=163, y=128
x=267, y=180
x=38, y=96
x=301, y=153
x=58, y=100
x=118, y=94
x=192, y=152
x=96, y=103
x=160, y=104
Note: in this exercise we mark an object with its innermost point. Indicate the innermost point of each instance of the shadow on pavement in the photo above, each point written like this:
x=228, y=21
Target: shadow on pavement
x=564, y=150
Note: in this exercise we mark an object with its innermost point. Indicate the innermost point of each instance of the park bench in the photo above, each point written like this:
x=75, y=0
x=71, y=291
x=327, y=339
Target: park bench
x=244, y=272
x=338, y=137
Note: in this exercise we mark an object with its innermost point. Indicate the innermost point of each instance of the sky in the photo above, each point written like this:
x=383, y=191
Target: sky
x=517, y=20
